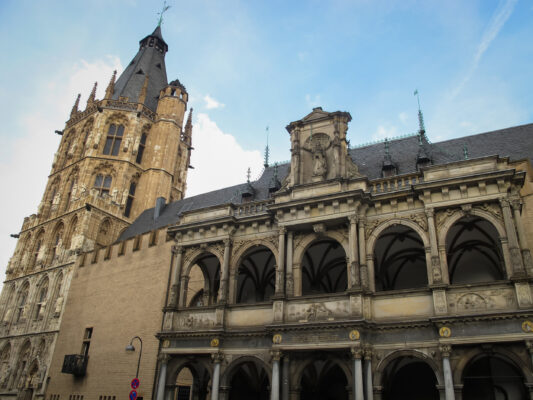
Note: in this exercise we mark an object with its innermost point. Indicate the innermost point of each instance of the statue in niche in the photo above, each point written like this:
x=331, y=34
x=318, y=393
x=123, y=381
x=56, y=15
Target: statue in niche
x=320, y=167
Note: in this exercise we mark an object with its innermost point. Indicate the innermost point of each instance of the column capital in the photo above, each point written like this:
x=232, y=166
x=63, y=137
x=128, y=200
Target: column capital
x=276, y=355
x=430, y=212
x=282, y=230
x=177, y=249
x=163, y=358
x=445, y=350
x=529, y=345
x=227, y=242
x=217, y=357
x=516, y=203
x=362, y=220
x=367, y=353
x=353, y=219
x=357, y=352
x=504, y=202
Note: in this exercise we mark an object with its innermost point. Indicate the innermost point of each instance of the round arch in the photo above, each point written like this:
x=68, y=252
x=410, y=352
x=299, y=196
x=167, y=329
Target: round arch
x=374, y=236
x=209, y=282
x=253, y=276
x=192, y=258
x=238, y=256
x=300, y=250
x=229, y=371
x=299, y=370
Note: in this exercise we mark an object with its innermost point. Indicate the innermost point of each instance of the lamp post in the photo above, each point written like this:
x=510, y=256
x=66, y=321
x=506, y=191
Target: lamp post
x=131, y=348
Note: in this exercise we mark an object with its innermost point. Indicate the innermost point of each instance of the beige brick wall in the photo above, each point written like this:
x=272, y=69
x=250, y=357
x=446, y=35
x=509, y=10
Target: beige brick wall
x=119, y=298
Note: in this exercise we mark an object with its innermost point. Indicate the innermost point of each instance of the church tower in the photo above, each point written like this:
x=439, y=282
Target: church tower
x=117, y=157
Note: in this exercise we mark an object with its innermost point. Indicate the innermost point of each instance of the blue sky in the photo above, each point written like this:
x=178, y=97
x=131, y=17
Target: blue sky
x=248, y=65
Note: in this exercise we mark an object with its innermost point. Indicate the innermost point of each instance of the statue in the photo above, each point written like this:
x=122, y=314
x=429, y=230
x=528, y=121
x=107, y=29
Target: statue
x=58, y=306
x=319, y=163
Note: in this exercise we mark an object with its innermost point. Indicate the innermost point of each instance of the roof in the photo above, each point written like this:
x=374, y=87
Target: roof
x=515, y=143
x=149, y=61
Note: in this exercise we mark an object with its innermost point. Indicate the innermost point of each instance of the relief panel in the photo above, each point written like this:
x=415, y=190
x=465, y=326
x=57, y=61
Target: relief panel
x=318, y=311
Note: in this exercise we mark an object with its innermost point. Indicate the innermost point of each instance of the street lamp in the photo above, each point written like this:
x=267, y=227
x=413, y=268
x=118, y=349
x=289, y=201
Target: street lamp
x=130, y=347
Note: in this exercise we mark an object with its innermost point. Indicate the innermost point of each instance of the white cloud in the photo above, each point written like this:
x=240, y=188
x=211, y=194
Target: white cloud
x=403, y=116
x=383, y=132
x=218, y=160
x=312, y=101
x=211, y=103
x=30, y=155
x=496, y=24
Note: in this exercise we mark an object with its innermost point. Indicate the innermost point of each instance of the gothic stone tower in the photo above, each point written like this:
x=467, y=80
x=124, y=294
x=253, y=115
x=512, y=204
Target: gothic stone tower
x=117, y=157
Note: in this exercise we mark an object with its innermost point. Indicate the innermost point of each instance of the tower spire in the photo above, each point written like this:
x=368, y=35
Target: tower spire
x=76, y=105
x=164, y=9
x=267, y=151
x=111, y=86
x=92, y=96
x=421, y=127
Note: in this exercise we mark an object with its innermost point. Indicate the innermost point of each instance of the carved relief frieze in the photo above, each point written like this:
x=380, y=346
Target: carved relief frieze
x=195, y=321
x=491, y=208
x=492, y=299
x=370, y=226
x=421, y=220
x=327, y=311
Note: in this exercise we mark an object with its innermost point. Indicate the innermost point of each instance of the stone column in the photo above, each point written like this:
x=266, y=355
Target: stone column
x=285, y=384
x=289, y=284
x=363, y=270
x=184, y=286
x=280, y=270
x=354, y=274
x=357, y=374
x=177, y=251
x=274, y=387
x=526, y=254
x=215, y=381
x=223, y=290
x=436, y=271
x=163, y=359
x=445, y=351
x=369, y=386
x=516, y=259
x=529, y=345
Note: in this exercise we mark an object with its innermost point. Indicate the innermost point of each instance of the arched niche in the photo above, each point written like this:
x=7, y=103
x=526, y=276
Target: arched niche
x=473, y=250
x=409, y=378
x=203, y=281
x=324, y=267
x=256, y=274
x=5, y=354
x=399, y=259
x=493, y=376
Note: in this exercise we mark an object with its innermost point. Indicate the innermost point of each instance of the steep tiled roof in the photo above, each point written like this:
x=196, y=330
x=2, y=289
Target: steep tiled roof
x=515, y=143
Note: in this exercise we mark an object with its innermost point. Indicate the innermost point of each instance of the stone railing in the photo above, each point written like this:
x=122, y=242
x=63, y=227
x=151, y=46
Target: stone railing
x=245, y=210
x=394, y=183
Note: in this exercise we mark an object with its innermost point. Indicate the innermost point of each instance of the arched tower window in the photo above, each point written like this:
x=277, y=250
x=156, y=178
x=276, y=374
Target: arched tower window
x=129, y=201
x=36, y=249
x=69, y=193
x=4, y=363
x=102, y=184
x=114, y=139
x=22, y=300
x=140, y=152
x=84, y=143
x=103, y=237
x=41, y=300
x=56, y=241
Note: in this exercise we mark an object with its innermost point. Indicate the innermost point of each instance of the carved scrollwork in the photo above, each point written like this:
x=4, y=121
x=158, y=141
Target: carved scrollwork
x=443, y=215
x=421, y=220
x=370, y=226
x=490, y=208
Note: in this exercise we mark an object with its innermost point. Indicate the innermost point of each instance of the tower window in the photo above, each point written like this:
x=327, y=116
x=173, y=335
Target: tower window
x=129, y=201
x=140, y=152
x=114, y=139
x=102, y=184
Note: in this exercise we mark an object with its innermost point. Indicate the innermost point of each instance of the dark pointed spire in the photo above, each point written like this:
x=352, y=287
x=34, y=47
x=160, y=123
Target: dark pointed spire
x=75, y=106
x=388, y=167
x=267, y=151
x=274, y=184
x=188, y=130
x=92, y=96
x=111, y=86
x=421, y=127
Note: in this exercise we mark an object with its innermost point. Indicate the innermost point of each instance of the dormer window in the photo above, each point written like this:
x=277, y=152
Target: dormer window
x=114, y=139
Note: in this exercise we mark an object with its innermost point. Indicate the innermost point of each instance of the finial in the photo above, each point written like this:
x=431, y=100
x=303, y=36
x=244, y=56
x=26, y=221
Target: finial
x=276, y=171
x=142, y=95
x=165, y=8
x=75, y=106
x=387, y=146
x=189, y=120
x=92, y=96
x=465, y=152
x=111, y=86
x=248, y=175
x=421, y=128
x=267, y=151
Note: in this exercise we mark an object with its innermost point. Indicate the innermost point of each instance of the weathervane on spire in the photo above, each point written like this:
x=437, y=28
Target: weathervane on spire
x=165, y=8
x=267, y=150
x=421, y=128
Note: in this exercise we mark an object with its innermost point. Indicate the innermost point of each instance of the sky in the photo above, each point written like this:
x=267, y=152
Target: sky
x=249, y=65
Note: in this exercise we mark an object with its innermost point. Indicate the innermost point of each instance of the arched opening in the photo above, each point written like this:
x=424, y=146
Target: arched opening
x=492, y=377
x=399, y=259
x=4, y=365
x=36, y=250
x=57, y=304
x=474, y=251
x=324, y=268
x=249, y=380
x=191, y=382
x=57, y=243
x=22, y=362
x=256, y=276
x=184, y=385
x=204, y=282
x=22, y=303
x=41, y=300
x=103, y=238
x=409, y=378
x=323, y=380
x=71, y=232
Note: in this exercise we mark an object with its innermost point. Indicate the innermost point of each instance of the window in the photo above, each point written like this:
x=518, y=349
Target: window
x=22, y=303
x=102, y=184
x=69, y=194
x=140, y=152
x=114, y=139
x=86, y=341
x=84, y=141
x=36, y=251
x=129, y=201
x=41, y=301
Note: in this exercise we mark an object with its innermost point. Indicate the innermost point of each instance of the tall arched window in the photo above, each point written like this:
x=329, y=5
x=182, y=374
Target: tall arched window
x=36, y=250
x=129, y=201
x=84, y=143
x=102, y=184
x=69, y=193
x=140, y=152
x=114, y=139
x=41, y=300
x=21, y=305
x=56, y=240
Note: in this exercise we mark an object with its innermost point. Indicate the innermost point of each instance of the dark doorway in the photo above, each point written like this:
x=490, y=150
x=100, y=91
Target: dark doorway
x=249, y=381
x=323, y=380
x=409, y=378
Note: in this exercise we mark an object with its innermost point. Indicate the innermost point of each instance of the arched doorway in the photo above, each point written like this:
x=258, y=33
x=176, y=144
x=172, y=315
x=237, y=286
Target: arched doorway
x=399, y=259
x=249, y=380
x=409, y=378
x=323, y=380
x=204, y=281
x=324, y=268
x=492, y=377
x=474, y=251
x=256, y=276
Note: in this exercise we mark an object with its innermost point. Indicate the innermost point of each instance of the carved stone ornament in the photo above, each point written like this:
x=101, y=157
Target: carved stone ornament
x=217, y=357
x=276, y=355
x=421, y=220
x=354, y=335
x=357, y=352
x=445, y=332
x=370, y=226
x=215, y=342
x=527, y=326
x=319, y=228
x=166, y=343
x=277, y=338
x=491, y=208
x=445, y=350
x=442, y=216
